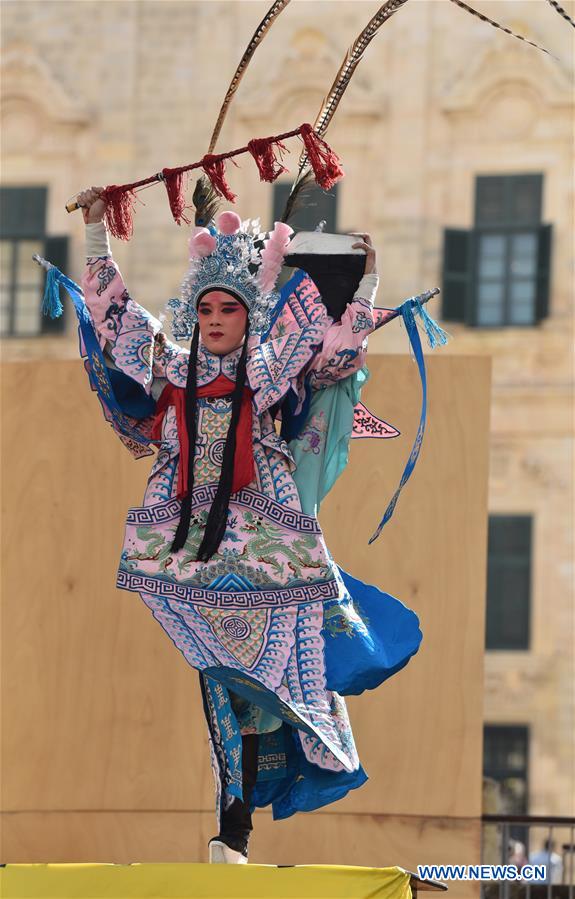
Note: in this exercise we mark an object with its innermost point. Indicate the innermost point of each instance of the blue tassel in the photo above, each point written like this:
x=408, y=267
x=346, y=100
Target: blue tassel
x=436, y=336
x=51, y=304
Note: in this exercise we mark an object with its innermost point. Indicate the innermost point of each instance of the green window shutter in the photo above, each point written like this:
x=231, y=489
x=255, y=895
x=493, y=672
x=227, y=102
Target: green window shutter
x=457, y=279
x=509, y=582
x=490, y=200
x=543, y=272
x=56, y=252
x=525, y=199
x=317, y=205
x=23, y=211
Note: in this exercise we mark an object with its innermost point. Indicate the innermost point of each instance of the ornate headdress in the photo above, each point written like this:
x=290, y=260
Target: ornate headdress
x=226, y=257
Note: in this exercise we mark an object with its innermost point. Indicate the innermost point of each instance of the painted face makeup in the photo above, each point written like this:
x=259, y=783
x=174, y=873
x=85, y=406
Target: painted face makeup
x=222, y=321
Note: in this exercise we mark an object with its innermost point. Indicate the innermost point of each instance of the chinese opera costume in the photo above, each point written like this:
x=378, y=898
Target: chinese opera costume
x=226, y=549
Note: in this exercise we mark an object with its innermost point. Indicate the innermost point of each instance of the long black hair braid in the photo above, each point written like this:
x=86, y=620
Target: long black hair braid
x=191, y=425
x=218, y=515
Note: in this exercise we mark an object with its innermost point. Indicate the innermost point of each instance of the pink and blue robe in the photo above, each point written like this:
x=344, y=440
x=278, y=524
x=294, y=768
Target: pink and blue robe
x=278, y=632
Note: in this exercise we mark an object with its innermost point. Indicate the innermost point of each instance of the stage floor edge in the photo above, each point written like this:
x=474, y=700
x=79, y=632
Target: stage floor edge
x=180, y=881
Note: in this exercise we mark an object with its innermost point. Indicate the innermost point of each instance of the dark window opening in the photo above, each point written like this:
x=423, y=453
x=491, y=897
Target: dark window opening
x=509, y=582
x=23, y=233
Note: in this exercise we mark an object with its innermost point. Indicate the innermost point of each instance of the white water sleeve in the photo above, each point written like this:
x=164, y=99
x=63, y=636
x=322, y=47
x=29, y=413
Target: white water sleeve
x=97, y=239
x=367, y=288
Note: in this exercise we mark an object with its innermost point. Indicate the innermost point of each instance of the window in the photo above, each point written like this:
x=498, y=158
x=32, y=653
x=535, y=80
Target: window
x=509, y=582
x=497, y=274
x=506, y=760
x=23, y=233
x=317, y=205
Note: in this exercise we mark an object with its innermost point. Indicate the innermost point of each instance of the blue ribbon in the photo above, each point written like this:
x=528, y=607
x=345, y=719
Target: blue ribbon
x=439, y=336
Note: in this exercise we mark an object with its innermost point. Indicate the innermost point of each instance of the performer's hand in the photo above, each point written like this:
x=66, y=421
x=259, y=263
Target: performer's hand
x=366, y=244
x=93, y=208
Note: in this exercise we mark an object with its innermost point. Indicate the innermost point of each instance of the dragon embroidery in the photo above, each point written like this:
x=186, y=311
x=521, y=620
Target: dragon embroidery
x=268, y=543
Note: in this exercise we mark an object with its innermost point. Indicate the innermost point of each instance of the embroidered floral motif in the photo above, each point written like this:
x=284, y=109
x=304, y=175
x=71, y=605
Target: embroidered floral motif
x=106, y=275
x=331, y=371
x=362, y=322
x=313, y=435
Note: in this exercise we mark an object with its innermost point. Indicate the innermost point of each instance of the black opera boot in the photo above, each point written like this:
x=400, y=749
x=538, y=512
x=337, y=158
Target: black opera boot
x=231, y=845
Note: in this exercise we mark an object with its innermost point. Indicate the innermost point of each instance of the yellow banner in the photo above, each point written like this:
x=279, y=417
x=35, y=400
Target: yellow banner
x=201, y=881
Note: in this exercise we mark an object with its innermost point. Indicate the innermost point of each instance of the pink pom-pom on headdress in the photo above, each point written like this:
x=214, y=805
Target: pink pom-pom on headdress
x=202, y=244
x=272, y=256
x=229, y=222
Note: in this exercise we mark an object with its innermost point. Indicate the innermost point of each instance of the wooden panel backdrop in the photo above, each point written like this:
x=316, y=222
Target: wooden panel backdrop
x=104, y=754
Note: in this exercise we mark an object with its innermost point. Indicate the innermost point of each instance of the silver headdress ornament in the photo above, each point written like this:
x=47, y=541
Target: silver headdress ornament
x=226, y=258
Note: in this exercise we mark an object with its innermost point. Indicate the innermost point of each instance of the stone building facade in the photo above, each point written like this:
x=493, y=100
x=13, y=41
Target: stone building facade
x=101, y=93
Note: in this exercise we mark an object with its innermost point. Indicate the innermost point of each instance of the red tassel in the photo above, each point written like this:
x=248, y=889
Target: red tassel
x=119, y=211
x=173, y=179
x=262, y=150
x=215, y=168
x=324, y=162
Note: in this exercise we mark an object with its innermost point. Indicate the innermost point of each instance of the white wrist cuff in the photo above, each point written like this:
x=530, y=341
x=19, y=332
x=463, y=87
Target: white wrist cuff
x=97, y=240
x=367, y=287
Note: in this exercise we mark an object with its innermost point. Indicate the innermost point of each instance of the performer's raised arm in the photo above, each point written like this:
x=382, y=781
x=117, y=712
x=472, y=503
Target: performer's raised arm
x=344, y=347
x=131, y=338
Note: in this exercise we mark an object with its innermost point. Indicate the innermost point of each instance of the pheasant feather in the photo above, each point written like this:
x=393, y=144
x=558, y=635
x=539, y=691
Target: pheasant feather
x=483, y=18
x=351, y=60
x=258, y=36
x=561, y=11
x=329, y=104
x=296, y=199
x=205, y=198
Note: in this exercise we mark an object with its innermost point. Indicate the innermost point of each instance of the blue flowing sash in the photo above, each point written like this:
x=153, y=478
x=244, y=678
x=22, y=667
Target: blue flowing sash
x=116, y=390
x=436, y=337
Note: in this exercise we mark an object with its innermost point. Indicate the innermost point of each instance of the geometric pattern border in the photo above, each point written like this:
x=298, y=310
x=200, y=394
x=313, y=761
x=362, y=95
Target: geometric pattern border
x=159, y=513
x=248, y=599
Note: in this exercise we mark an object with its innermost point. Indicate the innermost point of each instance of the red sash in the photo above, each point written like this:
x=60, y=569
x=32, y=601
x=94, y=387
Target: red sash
x=244, y=469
